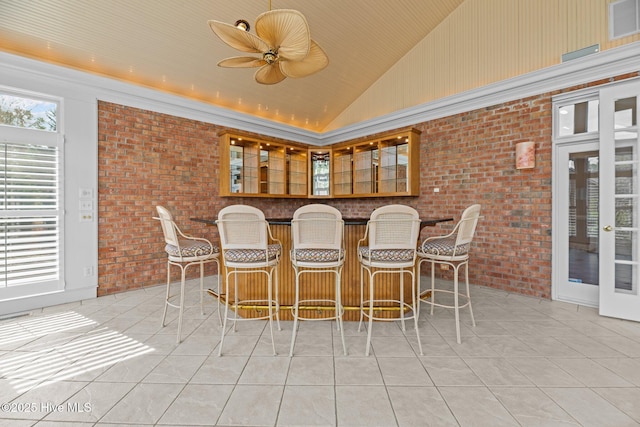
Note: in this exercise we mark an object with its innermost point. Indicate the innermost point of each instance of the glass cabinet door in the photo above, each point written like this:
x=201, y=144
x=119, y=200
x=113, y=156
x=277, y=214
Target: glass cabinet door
x=320, y=161
x=251, y=168
x=402, y=172
x=342, y=172
x=236, y=161
x=243, y=167
x=394, y=164
x=297, y=161
x=365, y=162
x=276, y=171
x=388, y=167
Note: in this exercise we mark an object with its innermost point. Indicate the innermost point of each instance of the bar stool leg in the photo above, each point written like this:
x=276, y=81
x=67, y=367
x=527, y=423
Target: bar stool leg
x=275, y=269
x=337, y=299
x=456, y=303
x=168, y=293
x=466, y=278
x=219, y=289
x=415, y=304
x=339, y=310
x=370, y=326
x=294, y=311
x=361, y=297
x=404, y=329
x=235, y=299
x=433, y=285
x=201, y=288
x=182, y=286
x=270, y=305
x=226, y=313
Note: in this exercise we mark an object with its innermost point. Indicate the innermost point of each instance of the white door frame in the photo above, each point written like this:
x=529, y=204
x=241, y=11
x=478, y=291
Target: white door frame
x=563, y=144
x=562, y=288
x=617, y=302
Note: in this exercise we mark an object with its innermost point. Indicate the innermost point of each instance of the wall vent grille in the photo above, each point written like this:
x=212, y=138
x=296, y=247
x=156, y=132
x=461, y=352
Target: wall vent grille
x=624, y=18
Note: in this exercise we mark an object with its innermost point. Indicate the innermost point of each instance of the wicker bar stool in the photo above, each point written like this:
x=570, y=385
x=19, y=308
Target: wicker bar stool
x=317, y=235
x=452, y=250
x=184, y=251
x=392, y=232
x=245, y=238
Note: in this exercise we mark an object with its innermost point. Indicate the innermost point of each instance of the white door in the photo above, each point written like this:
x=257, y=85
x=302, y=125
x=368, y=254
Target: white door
x=619, y=210
x=577, y=243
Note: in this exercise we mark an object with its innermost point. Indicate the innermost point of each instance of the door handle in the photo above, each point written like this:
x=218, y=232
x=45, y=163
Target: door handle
x=607, y=228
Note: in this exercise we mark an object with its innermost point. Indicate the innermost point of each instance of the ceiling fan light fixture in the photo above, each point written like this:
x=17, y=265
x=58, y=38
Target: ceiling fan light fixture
x=242, y=25
x=283, y=41
x=270, y=56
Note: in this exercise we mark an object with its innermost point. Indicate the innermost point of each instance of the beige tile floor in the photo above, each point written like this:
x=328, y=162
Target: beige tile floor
x=528, y=362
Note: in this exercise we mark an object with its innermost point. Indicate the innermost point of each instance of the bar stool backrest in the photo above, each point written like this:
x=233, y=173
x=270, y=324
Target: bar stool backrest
x=242, y=227
x=394, y=227
x=168, y=227
x=467, y=225
x=317, y=226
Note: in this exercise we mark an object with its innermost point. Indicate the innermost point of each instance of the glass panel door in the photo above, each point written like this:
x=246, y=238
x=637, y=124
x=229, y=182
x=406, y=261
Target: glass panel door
x=577, y=240
x=583, y=217
x=619, y=296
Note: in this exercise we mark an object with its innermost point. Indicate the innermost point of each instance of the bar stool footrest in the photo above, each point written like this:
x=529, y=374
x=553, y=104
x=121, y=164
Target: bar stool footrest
x=445, y=291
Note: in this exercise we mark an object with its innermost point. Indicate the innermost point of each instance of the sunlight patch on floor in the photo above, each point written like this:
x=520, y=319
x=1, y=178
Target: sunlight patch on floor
x=88, y=351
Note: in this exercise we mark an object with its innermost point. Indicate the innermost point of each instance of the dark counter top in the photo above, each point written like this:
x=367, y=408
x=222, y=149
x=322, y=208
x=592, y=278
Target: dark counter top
x=424, y=222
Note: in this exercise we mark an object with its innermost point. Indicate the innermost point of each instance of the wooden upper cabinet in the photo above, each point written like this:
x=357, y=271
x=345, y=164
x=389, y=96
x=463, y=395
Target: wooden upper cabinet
x=258, y=167
x=261, y=168
x=387, y=166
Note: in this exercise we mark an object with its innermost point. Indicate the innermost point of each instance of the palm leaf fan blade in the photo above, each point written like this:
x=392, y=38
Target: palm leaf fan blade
x=286, y=31
x=269, y=75
x=314, y=62
x=238, y=39
x=241, y=62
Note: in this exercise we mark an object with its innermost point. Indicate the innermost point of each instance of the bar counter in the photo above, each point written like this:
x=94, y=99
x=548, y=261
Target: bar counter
x=321, y=285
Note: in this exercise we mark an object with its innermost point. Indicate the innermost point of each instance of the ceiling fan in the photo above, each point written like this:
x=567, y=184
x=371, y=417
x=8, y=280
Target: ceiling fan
x=284, y=41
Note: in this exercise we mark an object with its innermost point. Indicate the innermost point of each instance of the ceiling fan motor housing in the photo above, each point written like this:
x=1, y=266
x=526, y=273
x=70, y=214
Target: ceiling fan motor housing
x=270, y=56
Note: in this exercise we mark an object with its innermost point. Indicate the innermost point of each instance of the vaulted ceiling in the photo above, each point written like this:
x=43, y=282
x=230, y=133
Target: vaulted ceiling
x=167, y=45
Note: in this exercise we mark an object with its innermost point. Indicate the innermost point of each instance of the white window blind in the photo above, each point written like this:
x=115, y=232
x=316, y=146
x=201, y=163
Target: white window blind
x=29, y=214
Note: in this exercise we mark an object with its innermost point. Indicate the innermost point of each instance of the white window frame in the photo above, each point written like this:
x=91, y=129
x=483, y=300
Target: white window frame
x=17, y=135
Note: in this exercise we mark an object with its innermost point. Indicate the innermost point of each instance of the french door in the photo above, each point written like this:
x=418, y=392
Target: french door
x=619, y=194
x=577, y=233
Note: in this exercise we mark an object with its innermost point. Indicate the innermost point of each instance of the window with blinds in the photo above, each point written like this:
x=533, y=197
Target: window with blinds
x=29, y=245
x=30, y=202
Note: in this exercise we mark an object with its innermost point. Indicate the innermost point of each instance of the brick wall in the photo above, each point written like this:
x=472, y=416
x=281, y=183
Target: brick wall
x=470, y=158
x=147, y=158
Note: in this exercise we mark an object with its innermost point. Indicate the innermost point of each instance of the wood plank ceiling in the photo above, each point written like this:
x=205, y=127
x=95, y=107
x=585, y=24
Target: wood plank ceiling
x=167, y=45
